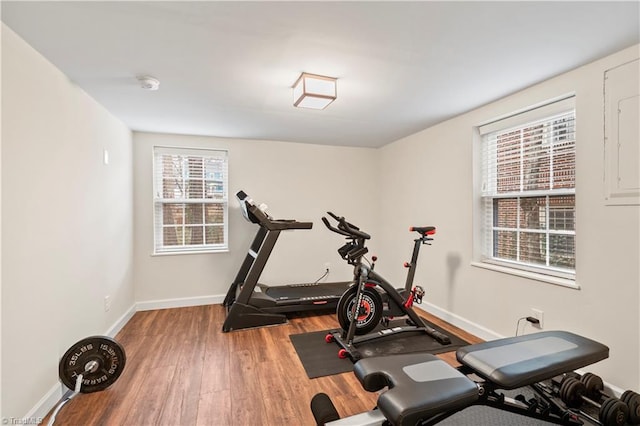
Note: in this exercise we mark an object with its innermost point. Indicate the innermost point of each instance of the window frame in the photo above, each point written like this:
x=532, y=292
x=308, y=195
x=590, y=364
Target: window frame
x=485, y=228
x=159, y=248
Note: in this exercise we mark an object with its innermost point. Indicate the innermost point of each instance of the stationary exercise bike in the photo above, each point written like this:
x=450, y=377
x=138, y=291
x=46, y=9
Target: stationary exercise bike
x=372, y=300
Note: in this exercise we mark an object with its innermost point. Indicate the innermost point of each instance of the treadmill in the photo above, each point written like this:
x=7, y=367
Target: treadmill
x=251, y=304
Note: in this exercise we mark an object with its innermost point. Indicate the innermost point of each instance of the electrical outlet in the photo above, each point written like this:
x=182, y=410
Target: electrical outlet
x=539, y=315
x=107, y=303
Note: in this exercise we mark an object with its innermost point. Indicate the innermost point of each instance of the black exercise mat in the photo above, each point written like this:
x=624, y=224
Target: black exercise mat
x=321, y=359
x=318, y=357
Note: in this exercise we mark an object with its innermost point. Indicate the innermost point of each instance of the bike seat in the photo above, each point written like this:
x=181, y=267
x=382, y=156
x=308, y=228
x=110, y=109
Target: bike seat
x=424, y=230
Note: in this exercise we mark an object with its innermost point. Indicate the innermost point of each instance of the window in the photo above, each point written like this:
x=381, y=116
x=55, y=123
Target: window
x=527, y=204
x=190, y=200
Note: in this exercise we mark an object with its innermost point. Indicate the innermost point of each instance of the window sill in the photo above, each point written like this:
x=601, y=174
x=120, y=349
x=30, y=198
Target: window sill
x=564, y=282
x=174, y=253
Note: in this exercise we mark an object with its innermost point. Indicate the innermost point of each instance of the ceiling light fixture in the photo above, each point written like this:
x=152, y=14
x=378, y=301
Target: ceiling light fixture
x=314, y=91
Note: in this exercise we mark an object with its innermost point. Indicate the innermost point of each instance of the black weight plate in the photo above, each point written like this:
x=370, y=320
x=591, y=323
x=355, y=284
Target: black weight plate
x=585, y=379
x=563, y=389
x=579, y=392
x=573, y=393
x=593, y=385
x=105, y=357
x=585, y=376
x=603, y=414
x=613, y=412
x=569, y=393
x=632, y=399
x=619, y=413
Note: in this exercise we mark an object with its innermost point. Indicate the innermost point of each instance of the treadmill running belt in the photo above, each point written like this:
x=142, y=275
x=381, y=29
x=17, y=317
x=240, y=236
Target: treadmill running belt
x=299, y=291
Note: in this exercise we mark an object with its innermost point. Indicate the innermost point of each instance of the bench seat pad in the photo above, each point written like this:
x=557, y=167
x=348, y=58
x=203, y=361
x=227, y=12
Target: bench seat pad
x=523, y=360
x=420, y=386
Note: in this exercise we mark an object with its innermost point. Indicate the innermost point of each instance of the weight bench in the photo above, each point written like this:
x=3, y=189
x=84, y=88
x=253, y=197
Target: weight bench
x=423, y=389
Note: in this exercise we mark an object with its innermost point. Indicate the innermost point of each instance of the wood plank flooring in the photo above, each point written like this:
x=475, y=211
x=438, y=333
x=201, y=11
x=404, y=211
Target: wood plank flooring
x=182, y=370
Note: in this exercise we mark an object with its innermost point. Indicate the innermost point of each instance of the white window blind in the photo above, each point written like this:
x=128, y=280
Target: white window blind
x=528, y=190
x=190, y=200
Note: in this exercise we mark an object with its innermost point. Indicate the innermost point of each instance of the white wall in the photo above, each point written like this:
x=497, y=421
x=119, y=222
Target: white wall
x=429, y=181
x=296, y=181
x=1, y=32
x=66, y=218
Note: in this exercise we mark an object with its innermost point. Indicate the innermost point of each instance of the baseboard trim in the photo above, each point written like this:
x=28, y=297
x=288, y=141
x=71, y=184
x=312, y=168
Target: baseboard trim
x=151, y=305
x=42, y=408
x=460, y=322
x=121, y=322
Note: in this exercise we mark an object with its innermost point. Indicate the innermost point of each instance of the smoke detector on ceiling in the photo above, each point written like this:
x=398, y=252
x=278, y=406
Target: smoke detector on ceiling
x=148, y=83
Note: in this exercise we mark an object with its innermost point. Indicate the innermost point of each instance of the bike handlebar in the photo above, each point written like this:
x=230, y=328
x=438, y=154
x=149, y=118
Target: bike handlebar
x=331, y=228
x=333, y=215
x=345, y=228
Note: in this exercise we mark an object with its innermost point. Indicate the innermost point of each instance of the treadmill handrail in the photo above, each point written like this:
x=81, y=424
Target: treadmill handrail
x=255, y=214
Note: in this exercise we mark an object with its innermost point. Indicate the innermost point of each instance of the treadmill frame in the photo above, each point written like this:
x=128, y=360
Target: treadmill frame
x=247, y=308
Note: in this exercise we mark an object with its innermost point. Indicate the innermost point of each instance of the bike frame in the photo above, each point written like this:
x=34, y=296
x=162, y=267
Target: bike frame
x=364, y=277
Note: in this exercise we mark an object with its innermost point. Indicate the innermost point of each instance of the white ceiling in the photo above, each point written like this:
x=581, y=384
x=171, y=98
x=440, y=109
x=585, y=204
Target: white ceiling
x=226, y=68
